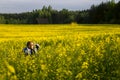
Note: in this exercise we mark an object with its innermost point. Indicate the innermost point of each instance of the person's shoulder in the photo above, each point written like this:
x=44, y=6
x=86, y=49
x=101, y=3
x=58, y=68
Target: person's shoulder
x=25, y=50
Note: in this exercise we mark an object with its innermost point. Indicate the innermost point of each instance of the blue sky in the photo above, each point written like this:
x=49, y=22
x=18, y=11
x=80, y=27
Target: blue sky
x=17, y=6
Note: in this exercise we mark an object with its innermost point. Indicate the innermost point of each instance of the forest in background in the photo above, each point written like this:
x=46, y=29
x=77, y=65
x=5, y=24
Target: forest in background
x=104, y=13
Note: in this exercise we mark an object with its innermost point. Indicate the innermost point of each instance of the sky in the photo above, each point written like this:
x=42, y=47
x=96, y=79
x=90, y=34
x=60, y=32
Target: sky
x=18, y=6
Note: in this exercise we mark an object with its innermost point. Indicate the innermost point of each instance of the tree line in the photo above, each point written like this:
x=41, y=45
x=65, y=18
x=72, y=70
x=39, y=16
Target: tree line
x=104, y=13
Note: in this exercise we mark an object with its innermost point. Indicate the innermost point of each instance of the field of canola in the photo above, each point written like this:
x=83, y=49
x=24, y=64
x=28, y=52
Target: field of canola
x=67, y=52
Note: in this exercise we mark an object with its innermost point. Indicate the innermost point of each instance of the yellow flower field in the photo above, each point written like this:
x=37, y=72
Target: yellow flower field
x=67, y=52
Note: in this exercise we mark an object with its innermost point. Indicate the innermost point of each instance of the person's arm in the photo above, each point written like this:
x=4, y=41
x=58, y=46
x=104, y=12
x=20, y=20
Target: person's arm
x=37, y=46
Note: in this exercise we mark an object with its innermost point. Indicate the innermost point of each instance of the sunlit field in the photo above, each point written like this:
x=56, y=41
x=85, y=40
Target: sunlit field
x=67, y=52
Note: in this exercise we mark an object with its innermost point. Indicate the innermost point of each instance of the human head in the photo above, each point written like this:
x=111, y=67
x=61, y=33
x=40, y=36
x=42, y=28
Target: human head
x=30, y=44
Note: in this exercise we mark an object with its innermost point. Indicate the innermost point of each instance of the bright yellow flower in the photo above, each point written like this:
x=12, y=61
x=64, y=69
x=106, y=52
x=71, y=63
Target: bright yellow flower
x=10, y=68
x=84, y=65
x=43, y=67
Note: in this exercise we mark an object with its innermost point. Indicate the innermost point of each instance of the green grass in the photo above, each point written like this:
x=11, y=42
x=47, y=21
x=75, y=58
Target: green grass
x=68, y=52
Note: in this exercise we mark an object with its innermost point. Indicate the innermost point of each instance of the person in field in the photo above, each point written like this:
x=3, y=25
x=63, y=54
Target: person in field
x=31, y=48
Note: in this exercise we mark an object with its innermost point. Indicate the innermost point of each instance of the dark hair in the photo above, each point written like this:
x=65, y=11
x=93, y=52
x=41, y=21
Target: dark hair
x=28, y=43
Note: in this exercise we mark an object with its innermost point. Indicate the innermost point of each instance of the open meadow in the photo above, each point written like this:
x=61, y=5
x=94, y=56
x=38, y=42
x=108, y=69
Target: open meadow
x=67, y=52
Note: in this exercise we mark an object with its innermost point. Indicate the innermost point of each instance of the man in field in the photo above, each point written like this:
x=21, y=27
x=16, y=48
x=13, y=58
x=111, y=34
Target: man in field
x=31, y=48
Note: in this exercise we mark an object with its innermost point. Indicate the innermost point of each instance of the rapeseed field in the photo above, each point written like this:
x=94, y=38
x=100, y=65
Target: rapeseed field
x=67, y=52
